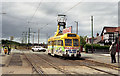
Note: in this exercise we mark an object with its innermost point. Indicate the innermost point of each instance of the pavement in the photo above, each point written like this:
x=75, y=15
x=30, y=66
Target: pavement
x=4, y=59
x=100, y=57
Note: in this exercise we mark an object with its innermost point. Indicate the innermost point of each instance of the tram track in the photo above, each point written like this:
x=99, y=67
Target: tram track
x=34, y=66
x=34, y=60
x=57, y=67
x=92, y=67
x=89, y=63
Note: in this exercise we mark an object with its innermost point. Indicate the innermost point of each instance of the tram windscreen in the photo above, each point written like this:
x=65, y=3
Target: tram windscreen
x=75, y=42
x=68, y=42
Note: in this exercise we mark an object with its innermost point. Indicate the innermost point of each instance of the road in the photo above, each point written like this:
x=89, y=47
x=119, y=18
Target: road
x=41, y=63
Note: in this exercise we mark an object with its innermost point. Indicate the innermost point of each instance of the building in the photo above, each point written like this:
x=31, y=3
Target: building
x=110, y=34
x=96, y=40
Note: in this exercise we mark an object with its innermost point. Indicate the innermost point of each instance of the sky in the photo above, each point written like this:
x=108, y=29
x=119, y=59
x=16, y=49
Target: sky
x=43, y=15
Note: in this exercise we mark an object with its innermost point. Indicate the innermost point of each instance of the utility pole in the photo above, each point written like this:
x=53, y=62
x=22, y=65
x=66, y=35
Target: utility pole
x=22, y=37
x=25, y=37
x=76, y=27
x=28, y=35
x=46, y=38
x=33, y=38
x=118, y=45
x=92, y=31
x=38, y=36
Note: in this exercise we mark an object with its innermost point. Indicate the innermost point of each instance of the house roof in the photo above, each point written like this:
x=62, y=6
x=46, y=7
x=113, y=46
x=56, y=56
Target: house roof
x=110, y=29
x=118, y=29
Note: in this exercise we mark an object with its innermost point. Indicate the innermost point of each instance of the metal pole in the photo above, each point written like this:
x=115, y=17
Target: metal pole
x=26, y=37
x=46, y=38
x=22, y=38
x=71, y=29
x=118, y=46
x=38, y=36
x=76, y=27
x=33, y=38
x=29, y=36
x=92, y=31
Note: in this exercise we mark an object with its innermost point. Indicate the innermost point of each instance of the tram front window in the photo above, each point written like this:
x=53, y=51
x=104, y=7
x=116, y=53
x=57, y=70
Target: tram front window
x=75, y=42
x=68, y=42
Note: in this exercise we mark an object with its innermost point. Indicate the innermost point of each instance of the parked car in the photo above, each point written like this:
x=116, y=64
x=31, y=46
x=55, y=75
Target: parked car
x=38, y=48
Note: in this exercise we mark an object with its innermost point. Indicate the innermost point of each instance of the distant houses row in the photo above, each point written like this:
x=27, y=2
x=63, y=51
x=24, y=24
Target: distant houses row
x=108, y=35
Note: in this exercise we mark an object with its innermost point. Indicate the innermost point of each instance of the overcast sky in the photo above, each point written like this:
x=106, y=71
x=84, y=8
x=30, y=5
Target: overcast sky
x=18, y=14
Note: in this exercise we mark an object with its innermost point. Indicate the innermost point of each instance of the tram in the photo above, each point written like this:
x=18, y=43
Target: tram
x=64, y=43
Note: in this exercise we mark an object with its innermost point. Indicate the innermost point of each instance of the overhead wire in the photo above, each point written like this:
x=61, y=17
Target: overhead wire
x=54, y=18
x=35, y=12
x=63, y=13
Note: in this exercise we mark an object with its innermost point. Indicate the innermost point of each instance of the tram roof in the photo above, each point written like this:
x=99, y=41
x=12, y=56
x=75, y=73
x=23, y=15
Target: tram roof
x=64, y=36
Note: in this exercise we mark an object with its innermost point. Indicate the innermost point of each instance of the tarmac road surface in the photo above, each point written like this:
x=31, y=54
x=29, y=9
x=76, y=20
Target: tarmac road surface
x=41, y=63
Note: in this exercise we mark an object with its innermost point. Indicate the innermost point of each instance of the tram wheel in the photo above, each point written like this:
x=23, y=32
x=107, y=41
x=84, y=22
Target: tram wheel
x=49, y=54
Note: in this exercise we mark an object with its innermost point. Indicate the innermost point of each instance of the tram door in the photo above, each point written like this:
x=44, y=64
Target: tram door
x=52, y=47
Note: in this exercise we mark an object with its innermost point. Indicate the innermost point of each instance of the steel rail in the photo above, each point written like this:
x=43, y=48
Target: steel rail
x=88, y=65
x=56, y=67
x=39, y=71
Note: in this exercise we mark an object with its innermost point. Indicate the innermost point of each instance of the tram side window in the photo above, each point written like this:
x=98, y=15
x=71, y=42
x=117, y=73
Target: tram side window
x=75, y=42
x=68, y=42
x=60, y=42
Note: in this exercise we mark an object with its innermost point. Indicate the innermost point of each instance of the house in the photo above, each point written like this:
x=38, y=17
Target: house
x=96, y=39
x=110, y=34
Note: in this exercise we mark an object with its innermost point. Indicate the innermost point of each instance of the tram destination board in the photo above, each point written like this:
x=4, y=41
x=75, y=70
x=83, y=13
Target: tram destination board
x=71, y=35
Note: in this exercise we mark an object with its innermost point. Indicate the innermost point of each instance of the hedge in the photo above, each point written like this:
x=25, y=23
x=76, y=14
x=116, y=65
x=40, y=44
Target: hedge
x=95, y=46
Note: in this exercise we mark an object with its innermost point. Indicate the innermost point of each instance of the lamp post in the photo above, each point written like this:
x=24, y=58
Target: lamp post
x=118, y=45
x=92, y=31
x=117, y=41
x=76, y=27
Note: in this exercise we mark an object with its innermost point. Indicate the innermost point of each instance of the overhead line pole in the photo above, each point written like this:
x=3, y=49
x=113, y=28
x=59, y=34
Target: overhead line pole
x=118, y=45
x=46, y=38
x=22, y=38
x=28, y=35
x=92, y=31
x=33, y=38
x=38, y=36
x=25, y=37
x=76, y=27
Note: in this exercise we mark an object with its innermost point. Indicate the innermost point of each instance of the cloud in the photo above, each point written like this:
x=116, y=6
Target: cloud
x=19, y=13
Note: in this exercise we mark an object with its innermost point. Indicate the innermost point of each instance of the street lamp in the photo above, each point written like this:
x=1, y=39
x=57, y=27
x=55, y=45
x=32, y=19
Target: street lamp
x=118, y=46
x=76, y=27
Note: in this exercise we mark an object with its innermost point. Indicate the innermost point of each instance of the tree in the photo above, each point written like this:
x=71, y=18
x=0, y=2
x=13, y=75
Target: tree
x=83, y=40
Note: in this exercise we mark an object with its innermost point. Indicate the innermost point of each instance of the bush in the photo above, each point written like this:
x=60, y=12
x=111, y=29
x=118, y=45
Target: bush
x=95, y=46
